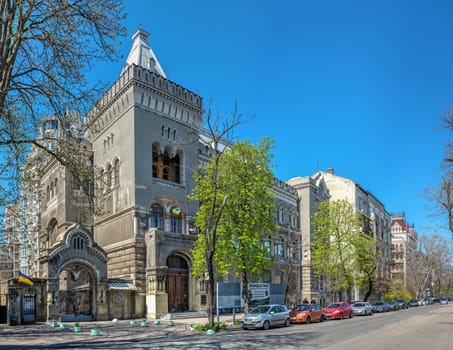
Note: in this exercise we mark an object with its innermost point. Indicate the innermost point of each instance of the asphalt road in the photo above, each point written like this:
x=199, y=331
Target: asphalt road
x=427, y=327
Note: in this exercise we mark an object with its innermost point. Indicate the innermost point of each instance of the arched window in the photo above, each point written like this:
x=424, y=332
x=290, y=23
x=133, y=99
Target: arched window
x=102, y=180
x=175, y=220
x=157, y=217
x=117, y=172
x=109, y=176
x=77, y=243
x=51, y=190
x=164, y=166
x=280, y=247
x=48, y=193
x=156, y=158
x=281, y=215
x=53, y=228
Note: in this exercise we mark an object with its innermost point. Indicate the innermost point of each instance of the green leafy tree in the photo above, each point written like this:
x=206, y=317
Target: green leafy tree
x=247, y=221
x=210, y=193
x=234, y=191
x=46, y=48
x=340, y=250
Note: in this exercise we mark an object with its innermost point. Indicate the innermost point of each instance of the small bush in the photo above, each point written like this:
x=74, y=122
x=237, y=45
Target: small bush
x=216, y=327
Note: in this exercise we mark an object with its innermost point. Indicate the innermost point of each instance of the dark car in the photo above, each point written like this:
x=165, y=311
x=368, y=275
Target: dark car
x=393, y=306
x=403, y=303
x=414, y=303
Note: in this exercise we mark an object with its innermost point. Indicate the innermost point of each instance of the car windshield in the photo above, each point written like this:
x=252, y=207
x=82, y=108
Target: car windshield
x=260, y=310
x=302, y=307
x=359, y=304
x=333, y=306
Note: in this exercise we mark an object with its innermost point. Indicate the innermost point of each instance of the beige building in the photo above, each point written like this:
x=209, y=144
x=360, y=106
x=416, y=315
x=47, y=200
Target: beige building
x=311, y=191
x=404, y=243
x=375, y=223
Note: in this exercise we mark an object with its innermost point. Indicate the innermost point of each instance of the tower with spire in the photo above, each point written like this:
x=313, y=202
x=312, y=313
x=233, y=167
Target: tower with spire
x=143, y=132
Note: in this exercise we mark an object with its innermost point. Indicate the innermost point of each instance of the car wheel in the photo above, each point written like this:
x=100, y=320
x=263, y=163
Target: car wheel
x=266, y=325
x=287, y=322
x=350, y=315
x=244, y=328
x=308, y=320
x=323, y=318
x=341, y=316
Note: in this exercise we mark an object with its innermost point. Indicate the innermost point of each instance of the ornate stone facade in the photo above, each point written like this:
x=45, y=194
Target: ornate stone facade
x=129, y=254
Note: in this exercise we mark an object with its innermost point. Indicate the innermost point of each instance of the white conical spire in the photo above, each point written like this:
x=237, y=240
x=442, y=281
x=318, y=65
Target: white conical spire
x=142, y=55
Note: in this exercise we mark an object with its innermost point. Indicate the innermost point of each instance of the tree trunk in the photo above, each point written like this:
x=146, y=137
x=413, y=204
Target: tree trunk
x=211, y=290
x=245, y=291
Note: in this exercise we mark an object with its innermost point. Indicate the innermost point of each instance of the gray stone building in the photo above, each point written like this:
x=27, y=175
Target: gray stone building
x=128, y=254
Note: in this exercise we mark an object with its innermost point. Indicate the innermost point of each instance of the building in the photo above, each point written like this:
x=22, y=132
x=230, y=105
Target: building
x=404, y=244
x=375, y=222
x=128, y=254
x=311, y=191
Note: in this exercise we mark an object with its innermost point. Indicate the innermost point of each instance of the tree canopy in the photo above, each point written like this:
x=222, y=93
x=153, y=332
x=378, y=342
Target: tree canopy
x=341, y=252
x=235, y=192
x=47, y=46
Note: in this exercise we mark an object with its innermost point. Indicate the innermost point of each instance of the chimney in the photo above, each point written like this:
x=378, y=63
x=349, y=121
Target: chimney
x=330, y=171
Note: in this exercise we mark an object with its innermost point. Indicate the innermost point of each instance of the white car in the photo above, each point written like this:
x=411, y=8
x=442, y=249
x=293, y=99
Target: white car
x=362, y=308
x=266, y=316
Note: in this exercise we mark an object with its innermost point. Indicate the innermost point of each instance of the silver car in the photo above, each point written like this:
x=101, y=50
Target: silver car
x=362, y=308
x=266, y=316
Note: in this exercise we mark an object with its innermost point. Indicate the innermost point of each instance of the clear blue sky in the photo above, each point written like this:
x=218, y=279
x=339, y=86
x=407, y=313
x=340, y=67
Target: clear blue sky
x=358, y=86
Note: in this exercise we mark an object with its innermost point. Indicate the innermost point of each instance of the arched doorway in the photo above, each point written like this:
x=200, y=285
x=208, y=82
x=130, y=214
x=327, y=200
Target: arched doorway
x=76, y=284
x=177, y=284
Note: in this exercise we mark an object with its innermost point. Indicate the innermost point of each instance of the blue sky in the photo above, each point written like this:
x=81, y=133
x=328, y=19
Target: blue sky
x=358, y=86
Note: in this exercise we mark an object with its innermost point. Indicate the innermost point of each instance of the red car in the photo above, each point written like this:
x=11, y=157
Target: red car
x=338, y=310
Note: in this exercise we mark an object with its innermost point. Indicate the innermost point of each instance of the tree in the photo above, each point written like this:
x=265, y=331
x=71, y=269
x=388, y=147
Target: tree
x=235, y=214
x=429, y=267
x=46, y=47
x=210, y=193
x=341, y=253
x=247, y=221
x=442, y=194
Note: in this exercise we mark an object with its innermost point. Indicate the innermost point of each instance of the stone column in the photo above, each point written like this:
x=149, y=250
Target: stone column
x=156, y=277
x=53, y=299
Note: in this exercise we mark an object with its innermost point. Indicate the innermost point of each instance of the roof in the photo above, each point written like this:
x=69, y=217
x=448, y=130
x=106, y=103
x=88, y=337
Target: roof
x=120, y=285
x=142, y=55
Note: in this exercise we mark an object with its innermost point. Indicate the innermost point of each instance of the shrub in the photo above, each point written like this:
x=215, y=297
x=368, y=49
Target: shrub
x=216, y=327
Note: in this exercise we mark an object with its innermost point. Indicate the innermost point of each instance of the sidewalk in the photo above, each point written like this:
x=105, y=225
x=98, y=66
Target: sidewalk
x=43, y=336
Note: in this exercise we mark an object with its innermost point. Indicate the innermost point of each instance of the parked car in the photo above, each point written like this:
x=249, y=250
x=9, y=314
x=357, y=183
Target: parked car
x=307, y=313
x=413, y=303
x=403, y=303
x=444, y=301
x=380, y=306
x=393, y=306
x=436, y=300
x=338, y=310
x=266, y=316
x=362, y=308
